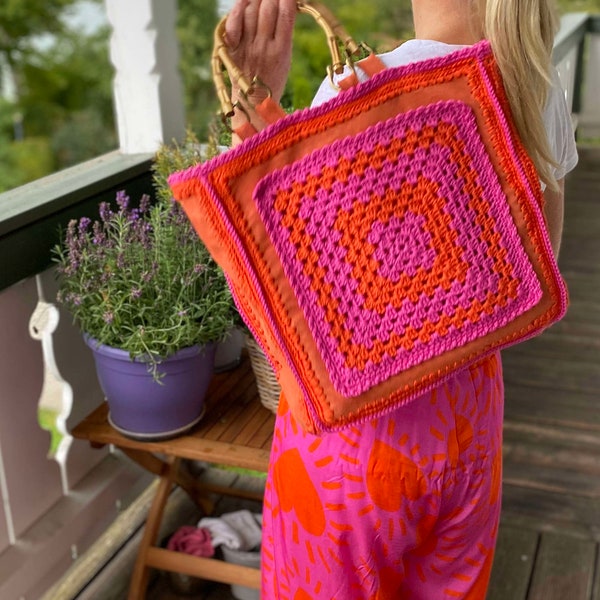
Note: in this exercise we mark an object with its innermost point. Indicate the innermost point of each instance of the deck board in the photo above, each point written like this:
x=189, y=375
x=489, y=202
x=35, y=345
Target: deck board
x=513, y=563
x=552, y=425
x=564, y=568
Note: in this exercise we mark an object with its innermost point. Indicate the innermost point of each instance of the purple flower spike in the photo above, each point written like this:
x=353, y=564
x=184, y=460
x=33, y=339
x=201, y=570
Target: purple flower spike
x=71, y=231
x=122, y=200
x=144, y=204
x=105, y=212
x=140, y=263
x=84, y=223
x=99, y=237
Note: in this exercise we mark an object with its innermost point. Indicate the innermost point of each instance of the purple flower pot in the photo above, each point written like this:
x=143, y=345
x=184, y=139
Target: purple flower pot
x=142, y=408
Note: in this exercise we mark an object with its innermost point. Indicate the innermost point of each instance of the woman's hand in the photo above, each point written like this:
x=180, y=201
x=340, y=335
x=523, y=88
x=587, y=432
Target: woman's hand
x=258, y=34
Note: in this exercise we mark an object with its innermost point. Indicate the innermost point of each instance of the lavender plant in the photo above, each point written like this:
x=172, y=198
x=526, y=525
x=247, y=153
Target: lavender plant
x=139, y=279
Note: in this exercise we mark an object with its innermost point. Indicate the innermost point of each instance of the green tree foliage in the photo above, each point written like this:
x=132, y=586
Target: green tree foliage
x=65, y=88
x=579, y=5
x=20, y=20
x=68, y=93
x=196, y=22
x=63, y=113
x=380, y=24
x=198, y=18
x=24, y=160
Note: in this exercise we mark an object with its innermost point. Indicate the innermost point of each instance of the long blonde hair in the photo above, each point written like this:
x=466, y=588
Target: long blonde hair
x=521, y=33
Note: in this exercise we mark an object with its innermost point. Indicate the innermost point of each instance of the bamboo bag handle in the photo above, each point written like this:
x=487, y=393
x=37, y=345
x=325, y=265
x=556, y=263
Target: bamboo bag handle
x=337, y=39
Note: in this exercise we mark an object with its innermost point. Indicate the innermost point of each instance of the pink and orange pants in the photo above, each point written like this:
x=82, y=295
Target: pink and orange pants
x=403, y=507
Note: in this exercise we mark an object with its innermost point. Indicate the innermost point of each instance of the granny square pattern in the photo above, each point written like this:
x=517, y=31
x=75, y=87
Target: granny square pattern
x=398, y=243
x=380, y=242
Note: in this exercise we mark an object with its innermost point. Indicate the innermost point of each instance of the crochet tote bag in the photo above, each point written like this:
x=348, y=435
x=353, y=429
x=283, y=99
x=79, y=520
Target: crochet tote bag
x=379, y=242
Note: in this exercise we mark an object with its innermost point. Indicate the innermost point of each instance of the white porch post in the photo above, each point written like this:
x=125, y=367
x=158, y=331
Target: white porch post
x=147, y=87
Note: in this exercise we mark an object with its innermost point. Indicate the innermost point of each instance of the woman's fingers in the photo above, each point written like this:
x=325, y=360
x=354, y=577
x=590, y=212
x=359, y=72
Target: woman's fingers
x=259, y=36
x=234, y=26
x=251, y=13
x=267, y=19
x=286, y=17
x=259, y=20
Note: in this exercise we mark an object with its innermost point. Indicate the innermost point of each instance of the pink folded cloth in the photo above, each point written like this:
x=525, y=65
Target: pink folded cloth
x=192, y=540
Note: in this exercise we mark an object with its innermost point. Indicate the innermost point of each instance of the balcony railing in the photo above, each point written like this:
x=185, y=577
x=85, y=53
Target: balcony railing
x=55, y=504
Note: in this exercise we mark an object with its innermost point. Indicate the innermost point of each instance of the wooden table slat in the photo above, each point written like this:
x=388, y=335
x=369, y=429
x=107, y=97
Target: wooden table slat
x=213, y=569
x=241, y=417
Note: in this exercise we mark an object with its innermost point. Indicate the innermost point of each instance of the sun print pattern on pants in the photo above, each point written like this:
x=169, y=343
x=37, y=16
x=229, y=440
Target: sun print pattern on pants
x=403, y=507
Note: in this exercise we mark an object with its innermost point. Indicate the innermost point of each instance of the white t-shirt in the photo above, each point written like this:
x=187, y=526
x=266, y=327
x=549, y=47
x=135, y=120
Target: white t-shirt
x=556, y=115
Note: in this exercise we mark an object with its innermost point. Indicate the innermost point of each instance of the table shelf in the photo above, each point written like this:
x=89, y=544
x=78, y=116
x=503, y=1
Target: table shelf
x=237, y=431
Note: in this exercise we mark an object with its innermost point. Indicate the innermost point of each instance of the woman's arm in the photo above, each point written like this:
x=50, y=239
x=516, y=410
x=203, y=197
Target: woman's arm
x=554, y=211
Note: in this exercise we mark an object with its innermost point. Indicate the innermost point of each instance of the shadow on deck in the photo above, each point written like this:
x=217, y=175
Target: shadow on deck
x=549, y=537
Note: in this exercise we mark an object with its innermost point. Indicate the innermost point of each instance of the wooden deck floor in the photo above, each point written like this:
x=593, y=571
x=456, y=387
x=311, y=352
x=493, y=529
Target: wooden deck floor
x=550, y=530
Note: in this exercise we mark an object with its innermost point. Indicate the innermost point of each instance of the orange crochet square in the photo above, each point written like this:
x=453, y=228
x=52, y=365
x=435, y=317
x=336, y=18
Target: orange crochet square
x=219, y=198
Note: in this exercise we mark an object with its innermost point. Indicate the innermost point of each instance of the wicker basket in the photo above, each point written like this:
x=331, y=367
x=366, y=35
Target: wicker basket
x=268, y=387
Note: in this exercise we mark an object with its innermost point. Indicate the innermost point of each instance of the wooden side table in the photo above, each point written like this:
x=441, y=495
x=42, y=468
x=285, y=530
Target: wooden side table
x=236, y=431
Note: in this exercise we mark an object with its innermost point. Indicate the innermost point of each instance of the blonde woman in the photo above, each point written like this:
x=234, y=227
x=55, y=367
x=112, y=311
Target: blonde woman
x=407, y=506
